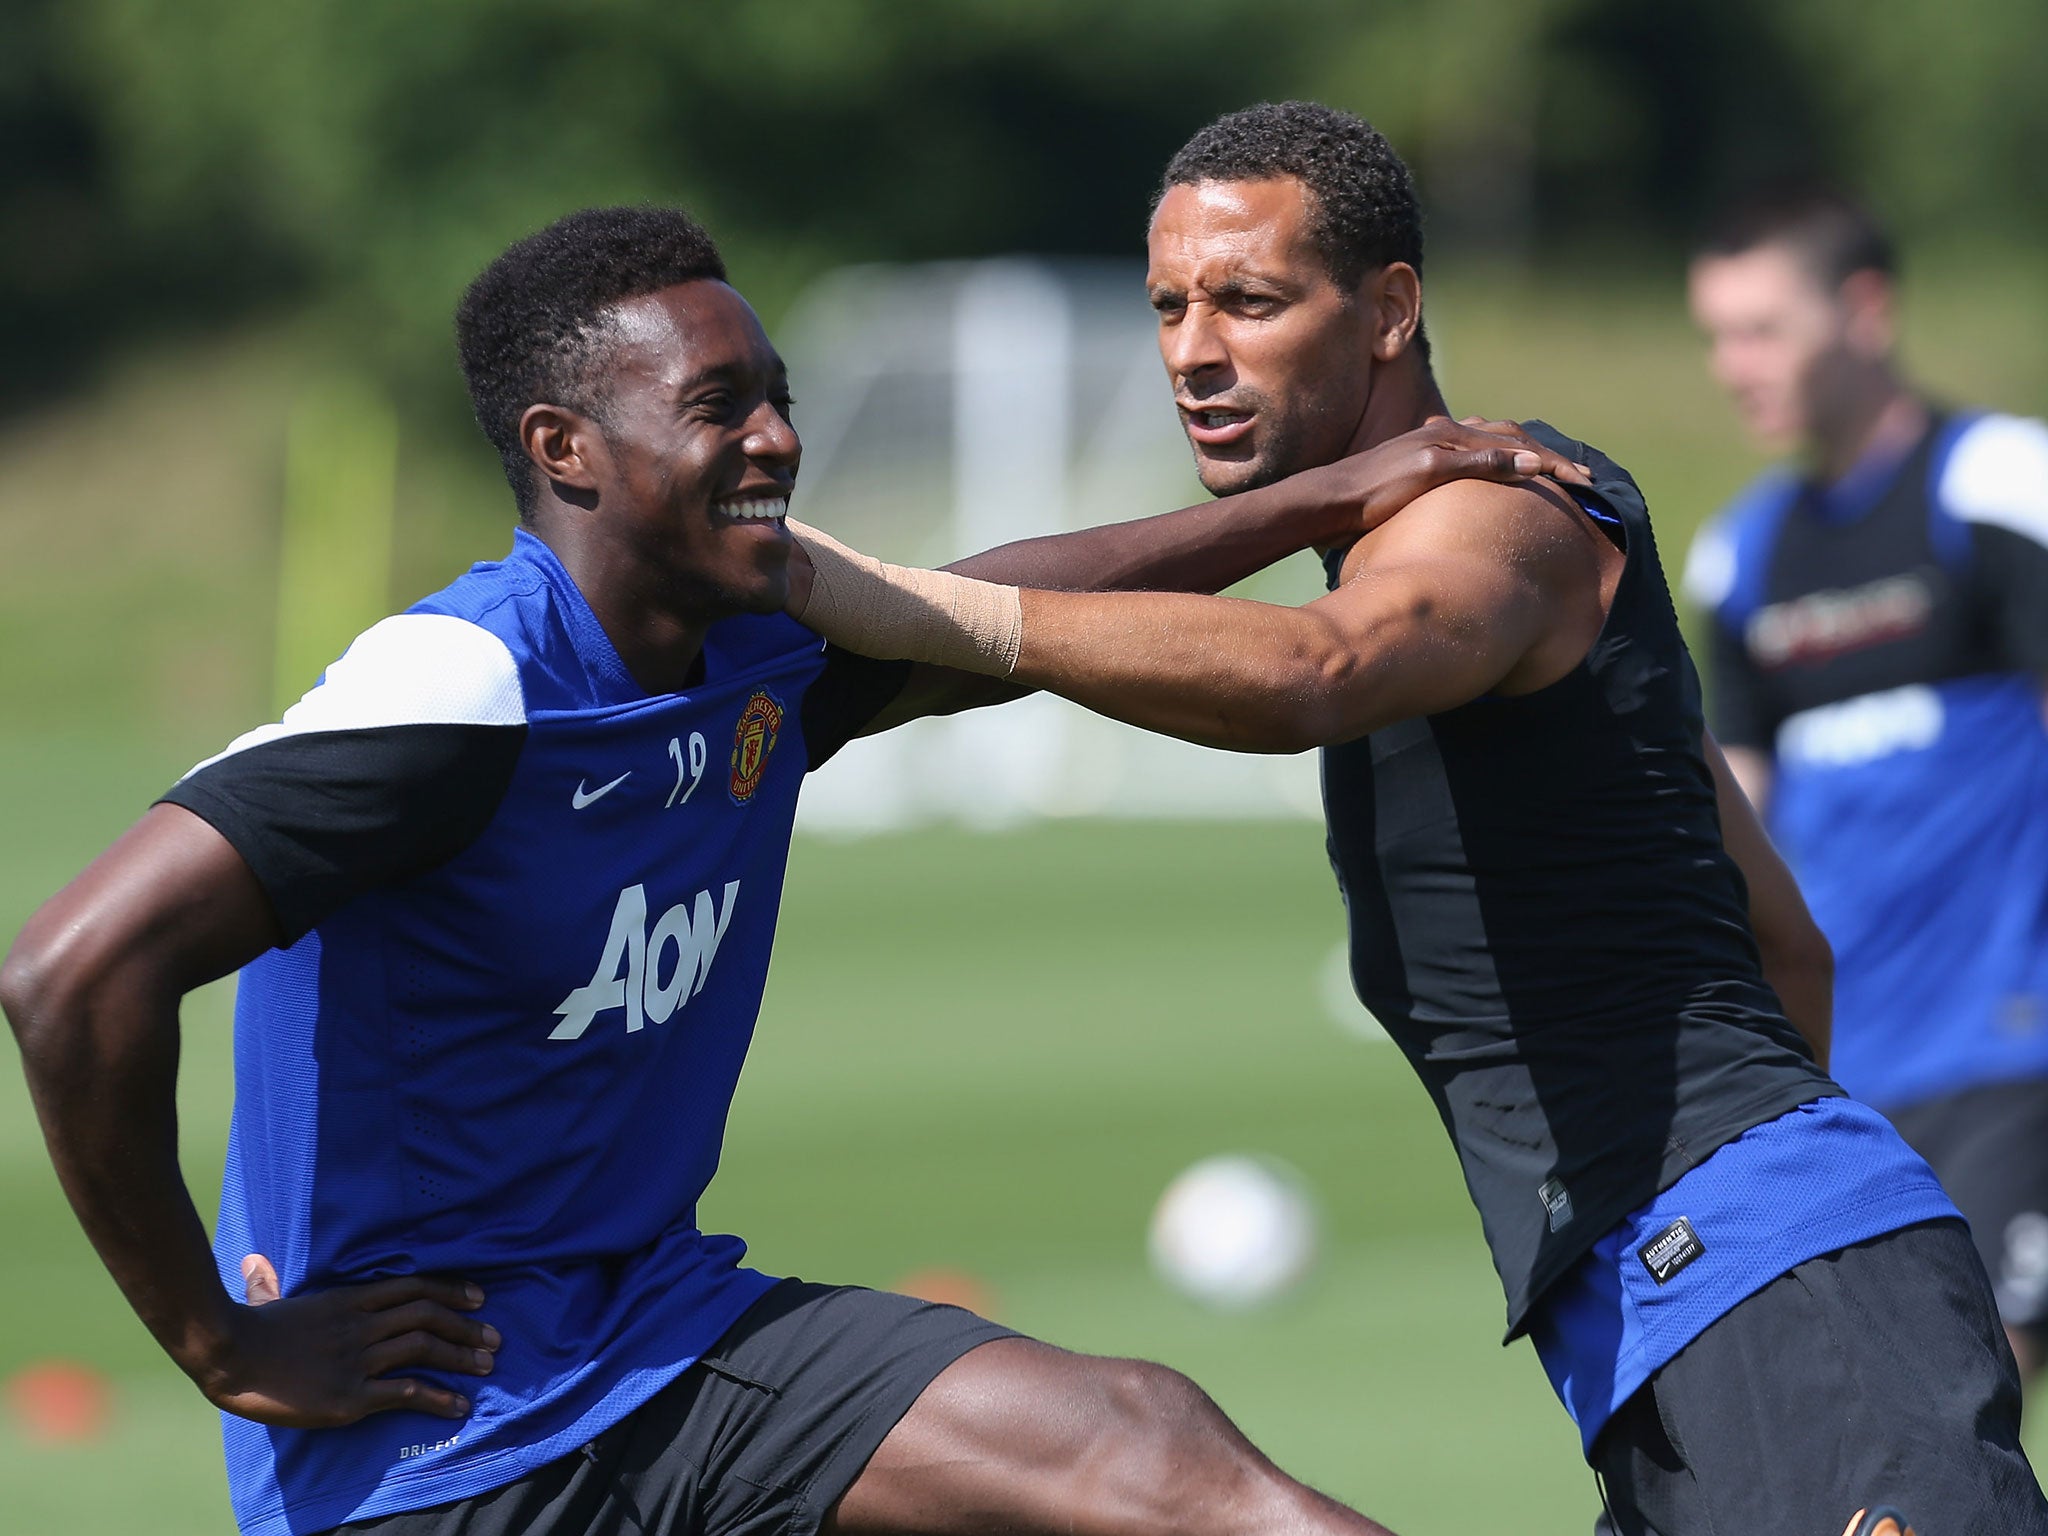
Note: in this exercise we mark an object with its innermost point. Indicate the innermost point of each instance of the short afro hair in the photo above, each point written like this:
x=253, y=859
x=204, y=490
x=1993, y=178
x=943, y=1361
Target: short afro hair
x=530, y=329
x=1363, y=212
x=1831, y=233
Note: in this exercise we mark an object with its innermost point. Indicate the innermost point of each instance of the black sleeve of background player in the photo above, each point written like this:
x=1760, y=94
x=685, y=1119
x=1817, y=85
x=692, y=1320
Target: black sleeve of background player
x=322, y=816
x=2014, y=571
x=1735, y=706
x=849, y=693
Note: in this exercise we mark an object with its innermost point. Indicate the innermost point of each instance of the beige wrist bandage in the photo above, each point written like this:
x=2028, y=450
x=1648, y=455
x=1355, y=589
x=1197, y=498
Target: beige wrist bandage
x=899, y=612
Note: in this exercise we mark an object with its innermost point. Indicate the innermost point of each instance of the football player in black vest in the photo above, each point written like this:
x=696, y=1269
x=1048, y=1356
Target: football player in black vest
x=1878, y=615
x=1754, y=1298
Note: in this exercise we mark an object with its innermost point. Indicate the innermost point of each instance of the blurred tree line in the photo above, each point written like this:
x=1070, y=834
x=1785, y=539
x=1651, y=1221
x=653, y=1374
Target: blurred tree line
x=175, y=164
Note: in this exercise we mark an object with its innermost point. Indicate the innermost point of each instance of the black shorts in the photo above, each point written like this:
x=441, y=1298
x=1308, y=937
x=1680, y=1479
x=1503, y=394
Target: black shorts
x=1876, y=1374
x=761, y=1435
x=1989, y=1148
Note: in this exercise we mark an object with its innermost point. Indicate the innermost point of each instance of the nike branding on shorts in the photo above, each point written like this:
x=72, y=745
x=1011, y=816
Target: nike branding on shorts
x=1671, y=1250
x=1557, y=1201
x=584, y=797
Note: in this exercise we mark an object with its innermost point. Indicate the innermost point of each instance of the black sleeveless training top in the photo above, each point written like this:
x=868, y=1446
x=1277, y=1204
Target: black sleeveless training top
x=1543, y=917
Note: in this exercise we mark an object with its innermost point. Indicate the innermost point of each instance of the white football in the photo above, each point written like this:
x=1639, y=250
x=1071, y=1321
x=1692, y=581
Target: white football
x=1234, y=1231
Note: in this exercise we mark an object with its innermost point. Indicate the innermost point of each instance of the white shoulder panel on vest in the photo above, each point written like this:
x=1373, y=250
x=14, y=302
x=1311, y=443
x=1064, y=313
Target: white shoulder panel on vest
x=1709, y=566
x=410, y=669
x=1997, y=473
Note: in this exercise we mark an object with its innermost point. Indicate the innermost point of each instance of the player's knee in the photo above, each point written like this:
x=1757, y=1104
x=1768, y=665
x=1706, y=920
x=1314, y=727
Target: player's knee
x=1171, y=1461
x=1154, y=1402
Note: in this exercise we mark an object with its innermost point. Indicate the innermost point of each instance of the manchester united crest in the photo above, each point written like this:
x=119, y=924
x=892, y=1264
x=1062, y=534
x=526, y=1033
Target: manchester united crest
x=752, y=740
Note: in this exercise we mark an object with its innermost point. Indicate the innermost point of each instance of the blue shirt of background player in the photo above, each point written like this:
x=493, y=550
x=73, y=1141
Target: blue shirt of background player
x=1884, y=639
x=532, y=907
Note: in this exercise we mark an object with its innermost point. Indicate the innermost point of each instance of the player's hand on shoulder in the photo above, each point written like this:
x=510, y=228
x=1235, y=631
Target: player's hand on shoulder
x=328, y=1358
x=1378, y=482
x=1527, y=526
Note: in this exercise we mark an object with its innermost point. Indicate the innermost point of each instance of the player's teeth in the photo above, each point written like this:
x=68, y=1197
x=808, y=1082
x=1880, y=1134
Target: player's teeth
x=778, y=507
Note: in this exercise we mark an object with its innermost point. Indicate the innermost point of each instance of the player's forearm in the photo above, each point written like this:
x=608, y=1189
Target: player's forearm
x=1200, y=549
x=1197, y=549
x=101, y=1056
x=1249, y=677
x=1409, y=639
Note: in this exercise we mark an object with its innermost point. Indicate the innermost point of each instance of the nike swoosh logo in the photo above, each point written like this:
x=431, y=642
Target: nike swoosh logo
x=580, y=799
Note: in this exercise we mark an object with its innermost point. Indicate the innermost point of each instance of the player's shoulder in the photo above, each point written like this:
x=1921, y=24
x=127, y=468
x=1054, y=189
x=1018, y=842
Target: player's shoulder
x=1525, y=527
x=409, y=670
x=417, y=668
x=1737, y=538
x=1995, y=472
x=1527, y=523
x=1755, y=511
x=1458, y=510
x=510, y=599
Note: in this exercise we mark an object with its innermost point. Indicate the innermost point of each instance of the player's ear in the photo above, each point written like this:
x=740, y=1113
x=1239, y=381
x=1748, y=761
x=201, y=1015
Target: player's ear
x=1866, y=299
x=1393, y=302
x=564, y=445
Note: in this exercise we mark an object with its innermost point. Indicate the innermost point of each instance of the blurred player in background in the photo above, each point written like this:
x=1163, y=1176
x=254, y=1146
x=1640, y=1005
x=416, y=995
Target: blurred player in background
x=501, y=891
x=1878, y=623
x=1753, y=1297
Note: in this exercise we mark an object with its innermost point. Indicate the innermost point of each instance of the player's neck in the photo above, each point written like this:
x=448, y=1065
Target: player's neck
x=1882, y=417
x=661, y=648
x=644, y=613
x=1404, y=396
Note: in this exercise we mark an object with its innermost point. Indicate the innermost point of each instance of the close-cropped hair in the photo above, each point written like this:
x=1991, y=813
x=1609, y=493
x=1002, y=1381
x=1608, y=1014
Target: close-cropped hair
x=533, y=328
x=1362, y=209
x=1831, y=233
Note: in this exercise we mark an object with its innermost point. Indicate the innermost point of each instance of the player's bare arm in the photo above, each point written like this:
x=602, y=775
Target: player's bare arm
x=1205, y=548
x=1752, y=770
x=92, y=988
x=1217, y=543
x=1797, y=960
x=1479, y=587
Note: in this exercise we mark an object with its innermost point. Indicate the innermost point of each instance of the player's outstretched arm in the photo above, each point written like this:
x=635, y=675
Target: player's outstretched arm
x=1442, y=610
x=1798, y=961
x=92, y=989
x=1477, y=584
x=1219, y=543
x=1216, y=544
